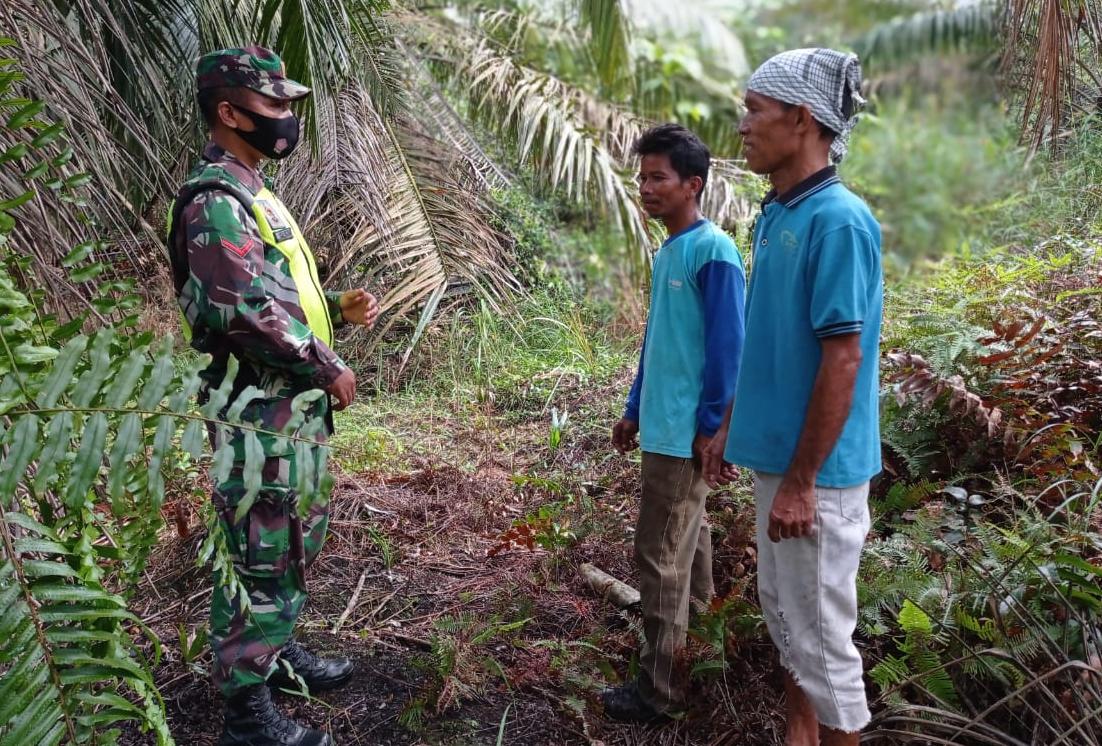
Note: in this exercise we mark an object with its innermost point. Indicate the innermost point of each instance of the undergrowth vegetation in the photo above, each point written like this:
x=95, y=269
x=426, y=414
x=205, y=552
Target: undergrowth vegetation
x=477, y=476
x=980, y=598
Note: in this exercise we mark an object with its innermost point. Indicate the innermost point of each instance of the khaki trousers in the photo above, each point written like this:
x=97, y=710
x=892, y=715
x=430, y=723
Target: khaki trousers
x=673, y=553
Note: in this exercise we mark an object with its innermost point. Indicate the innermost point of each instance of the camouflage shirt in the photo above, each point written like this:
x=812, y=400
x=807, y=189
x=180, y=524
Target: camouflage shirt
x=239, y=297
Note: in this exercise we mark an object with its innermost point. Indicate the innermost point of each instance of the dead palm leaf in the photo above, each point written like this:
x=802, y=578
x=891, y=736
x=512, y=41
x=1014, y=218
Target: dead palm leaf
x=1046, y=42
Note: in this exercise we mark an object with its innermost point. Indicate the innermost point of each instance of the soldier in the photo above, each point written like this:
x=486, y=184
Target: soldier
x=247, y=285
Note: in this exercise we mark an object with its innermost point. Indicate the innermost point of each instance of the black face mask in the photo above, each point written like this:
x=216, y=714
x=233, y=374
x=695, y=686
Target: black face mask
x=273, y=137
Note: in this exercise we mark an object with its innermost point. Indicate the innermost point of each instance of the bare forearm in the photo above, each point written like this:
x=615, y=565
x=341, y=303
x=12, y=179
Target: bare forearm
x=827, y=412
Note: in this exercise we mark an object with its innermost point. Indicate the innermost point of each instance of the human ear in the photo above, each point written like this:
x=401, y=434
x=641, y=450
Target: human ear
x=696, y=184
x=804, y=120
x=227, y=115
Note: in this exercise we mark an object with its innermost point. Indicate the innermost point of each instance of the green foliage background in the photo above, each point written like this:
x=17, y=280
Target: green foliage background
x=979, y=608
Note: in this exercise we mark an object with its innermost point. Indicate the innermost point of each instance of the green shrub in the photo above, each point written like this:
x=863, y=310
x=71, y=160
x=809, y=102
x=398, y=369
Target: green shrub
x=979, y=594
x=519, y=362
x=939, y=176
x=971, y=611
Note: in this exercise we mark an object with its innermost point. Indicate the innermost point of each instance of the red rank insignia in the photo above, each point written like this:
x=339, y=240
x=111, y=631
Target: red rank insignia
x=241, y=250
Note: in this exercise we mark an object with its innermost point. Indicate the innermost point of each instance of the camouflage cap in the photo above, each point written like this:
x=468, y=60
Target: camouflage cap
x=255, y=68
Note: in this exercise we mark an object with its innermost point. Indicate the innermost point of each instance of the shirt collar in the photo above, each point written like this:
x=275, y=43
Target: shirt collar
x=683, y=231
x=249, y=177
x=817, y=181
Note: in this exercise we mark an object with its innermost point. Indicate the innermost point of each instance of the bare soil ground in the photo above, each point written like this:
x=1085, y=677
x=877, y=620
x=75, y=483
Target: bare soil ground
x=455, y=643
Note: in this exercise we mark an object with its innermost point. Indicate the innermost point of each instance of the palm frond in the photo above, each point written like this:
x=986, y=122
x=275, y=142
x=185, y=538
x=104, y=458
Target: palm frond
x=392, y=207
x=351, y=159
x=435, y=111
x=543, y=117
x=609, y=41
x=969, y=27
x=1048, y=44
x=72, y=74
x=732, y=193
x=699, y=22
x=573, y=141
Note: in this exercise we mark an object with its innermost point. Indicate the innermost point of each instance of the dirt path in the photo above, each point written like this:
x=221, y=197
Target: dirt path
x=459, y=633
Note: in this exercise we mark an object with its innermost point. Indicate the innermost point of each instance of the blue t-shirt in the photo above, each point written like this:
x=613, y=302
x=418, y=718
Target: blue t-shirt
x=816, y=274
x=691, y=351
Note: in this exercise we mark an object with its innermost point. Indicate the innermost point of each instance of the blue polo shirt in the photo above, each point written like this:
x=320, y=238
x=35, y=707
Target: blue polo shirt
x=691, y=350
x=816, y=274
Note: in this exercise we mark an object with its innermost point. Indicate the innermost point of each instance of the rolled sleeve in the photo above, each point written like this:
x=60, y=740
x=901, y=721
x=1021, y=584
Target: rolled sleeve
x=333, y=300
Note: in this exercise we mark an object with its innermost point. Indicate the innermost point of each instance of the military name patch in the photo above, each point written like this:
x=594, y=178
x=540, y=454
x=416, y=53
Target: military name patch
x=281, y=230
x=241, y=250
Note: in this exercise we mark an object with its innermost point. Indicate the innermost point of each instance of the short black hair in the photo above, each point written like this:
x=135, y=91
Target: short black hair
x=209, y=98
x=688, y=155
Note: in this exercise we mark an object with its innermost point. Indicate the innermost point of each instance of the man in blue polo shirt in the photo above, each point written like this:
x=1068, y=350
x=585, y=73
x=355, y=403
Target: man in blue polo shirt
x=686, y=378
x=805, y=415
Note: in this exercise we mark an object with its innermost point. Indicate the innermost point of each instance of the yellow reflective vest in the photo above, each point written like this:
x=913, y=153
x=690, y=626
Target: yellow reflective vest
x=278, y=229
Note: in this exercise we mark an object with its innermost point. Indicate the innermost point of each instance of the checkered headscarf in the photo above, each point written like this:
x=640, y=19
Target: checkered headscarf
x=819, y=78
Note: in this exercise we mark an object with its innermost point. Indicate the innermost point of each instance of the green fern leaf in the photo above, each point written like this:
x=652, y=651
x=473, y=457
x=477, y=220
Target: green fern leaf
x=162, y=443
x=126, y=379
x=89, y=383
x=914, y=620
x=159, y=379
x=251, y=473
x=192, y=440
x=219, y=397
x=58, y=435
x=88, y=460
x=61, y=374
x=23, y=440
x=127, y=443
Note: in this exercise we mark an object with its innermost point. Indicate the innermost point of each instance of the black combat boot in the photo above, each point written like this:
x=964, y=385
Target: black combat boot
x=626, y=704
x=252, y=720
x=318, y=673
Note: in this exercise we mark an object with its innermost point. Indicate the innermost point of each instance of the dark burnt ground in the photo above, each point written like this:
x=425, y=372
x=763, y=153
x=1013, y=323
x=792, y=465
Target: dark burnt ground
x=449, y=642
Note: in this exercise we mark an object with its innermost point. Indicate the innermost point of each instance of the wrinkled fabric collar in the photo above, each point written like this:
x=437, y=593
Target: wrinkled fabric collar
x=817, y=181
x=250, y=178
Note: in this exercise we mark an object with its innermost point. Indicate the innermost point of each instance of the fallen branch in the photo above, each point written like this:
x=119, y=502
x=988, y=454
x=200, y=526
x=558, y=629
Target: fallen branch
x=609, y=588
x=409, y=639
x=377, y=511
x=351, y=602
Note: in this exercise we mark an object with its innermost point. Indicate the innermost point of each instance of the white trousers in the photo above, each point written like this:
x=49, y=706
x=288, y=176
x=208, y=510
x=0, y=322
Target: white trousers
x=808, y=592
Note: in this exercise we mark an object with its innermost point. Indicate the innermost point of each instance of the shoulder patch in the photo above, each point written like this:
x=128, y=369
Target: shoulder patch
x=281, y=230
x=239, y=250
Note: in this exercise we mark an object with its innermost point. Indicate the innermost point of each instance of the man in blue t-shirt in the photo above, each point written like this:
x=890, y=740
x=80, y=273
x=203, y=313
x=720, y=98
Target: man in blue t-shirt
x=686, y=378
x=805, y=415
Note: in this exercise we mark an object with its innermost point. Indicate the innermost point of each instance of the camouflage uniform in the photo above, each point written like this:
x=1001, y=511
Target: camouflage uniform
x=237, y=296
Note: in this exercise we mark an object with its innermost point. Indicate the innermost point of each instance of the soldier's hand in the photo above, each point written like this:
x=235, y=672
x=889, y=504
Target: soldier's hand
x=344, y=388
x=359, y=307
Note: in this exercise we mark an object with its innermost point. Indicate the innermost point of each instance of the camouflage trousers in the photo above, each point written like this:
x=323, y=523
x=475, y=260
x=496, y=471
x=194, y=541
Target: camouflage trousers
x=271, y=549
